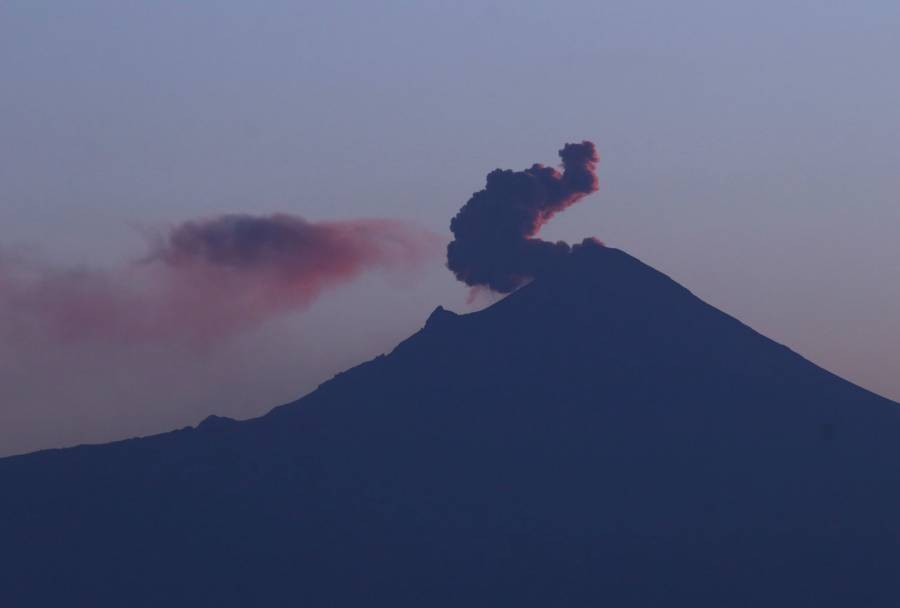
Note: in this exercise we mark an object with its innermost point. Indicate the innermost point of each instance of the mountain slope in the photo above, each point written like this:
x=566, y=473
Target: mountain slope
x=599, y=436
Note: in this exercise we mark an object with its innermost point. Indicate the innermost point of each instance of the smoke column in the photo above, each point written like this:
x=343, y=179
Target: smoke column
x=494, y=244
x=205, y=279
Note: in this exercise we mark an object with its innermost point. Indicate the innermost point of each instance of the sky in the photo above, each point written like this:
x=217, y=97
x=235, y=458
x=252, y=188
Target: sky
x=748, y=150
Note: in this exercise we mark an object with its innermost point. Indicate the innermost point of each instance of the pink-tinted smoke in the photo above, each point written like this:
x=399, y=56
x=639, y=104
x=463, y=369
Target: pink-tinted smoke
x=206, y=279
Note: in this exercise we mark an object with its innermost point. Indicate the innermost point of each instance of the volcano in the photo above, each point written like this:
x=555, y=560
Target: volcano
x=600, y=437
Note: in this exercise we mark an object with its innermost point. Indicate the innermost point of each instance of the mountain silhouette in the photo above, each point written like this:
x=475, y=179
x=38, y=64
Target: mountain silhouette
x=600, y=437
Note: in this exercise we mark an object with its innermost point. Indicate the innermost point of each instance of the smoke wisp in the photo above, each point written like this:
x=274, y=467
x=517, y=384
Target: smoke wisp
x=205, y=279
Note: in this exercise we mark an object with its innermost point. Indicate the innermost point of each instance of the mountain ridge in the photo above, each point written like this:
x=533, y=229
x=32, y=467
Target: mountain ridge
x=441, y=315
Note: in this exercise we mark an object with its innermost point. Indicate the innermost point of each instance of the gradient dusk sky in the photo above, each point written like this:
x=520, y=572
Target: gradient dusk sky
x=749, y=150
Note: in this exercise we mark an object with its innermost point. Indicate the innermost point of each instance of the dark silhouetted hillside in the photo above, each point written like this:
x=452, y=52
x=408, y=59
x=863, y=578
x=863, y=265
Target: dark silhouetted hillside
x=600, y=437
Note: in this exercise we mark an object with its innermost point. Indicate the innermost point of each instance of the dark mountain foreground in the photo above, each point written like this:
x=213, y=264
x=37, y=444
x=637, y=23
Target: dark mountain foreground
x=601, y=437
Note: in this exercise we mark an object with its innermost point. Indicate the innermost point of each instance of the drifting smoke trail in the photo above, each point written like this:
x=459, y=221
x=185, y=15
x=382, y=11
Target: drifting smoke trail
x=493, y=233
x=206, y=279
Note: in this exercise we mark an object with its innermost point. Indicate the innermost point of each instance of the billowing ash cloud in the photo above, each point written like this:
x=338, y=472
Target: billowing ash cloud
x=206, y=279
x=493, y=233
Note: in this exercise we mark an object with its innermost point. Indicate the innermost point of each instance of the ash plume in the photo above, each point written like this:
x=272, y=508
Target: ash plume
x=494, y=244
x=205, y=279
